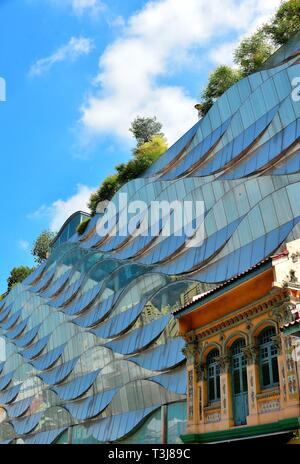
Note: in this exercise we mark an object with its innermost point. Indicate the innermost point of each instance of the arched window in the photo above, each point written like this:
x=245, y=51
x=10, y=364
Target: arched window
x=269, y=376
x=213, y=376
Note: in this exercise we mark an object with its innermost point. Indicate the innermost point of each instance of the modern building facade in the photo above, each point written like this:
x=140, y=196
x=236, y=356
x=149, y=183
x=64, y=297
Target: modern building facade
x=69, y=228
x=243, y=354
x=90, y=351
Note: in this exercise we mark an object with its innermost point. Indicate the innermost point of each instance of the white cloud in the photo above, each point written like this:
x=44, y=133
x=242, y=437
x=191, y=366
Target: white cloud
x=61, y=210
x=81, y=6
x=93, y=6
x=224, y=53
x=117, y=22
x=23, y=245
x=76, y=47
x=153, y=44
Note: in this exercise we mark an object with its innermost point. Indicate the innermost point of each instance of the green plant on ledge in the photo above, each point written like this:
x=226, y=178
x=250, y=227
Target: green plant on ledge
x=81, y=228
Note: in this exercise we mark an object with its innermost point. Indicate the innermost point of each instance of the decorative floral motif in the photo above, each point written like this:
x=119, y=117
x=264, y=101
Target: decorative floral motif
x=200, y=404
x=190, y=350
x=283, y=383
x=190, y=394
x=224, y=362
x=224, y=397
x=212, y=418
x=268, y=406
x=251, y=352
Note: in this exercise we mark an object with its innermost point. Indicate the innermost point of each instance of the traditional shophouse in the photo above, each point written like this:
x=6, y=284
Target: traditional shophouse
x=242, y=356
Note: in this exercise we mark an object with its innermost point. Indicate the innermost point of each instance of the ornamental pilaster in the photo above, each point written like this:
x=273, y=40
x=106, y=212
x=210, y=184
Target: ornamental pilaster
x=251, y=353
x=224, y=362
x=190, y=350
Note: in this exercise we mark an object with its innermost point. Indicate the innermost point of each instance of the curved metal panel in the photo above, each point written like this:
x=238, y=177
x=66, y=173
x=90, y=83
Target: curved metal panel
x=139, y=338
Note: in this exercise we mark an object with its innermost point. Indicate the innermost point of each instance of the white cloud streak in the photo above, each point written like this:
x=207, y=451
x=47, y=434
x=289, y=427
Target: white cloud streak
x=93, y=6
x=224, y=53
x=23, y=245
x=76, y=47
x=155, y=42
x=60, y=210
x=79, y=7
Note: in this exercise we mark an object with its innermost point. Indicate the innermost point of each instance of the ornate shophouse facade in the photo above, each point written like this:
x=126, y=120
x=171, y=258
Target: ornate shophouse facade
x=242, y=358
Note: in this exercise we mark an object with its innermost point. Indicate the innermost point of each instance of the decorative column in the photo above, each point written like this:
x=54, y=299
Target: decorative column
x=251, y=353
x=226, y=392
x=201, y=394
x=289, y=391
x=289, y=388
x=189, y=352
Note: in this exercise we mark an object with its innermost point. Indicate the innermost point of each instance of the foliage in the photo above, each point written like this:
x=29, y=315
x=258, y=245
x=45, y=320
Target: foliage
x=134, y=168
x=144, y=129
x=285, y=23
x=81, y=228
x=219, y=81
x=41, y=246
x=152, y=149
x=253, y=52
x=105, y=192
x=144, y=155
x=17, y=275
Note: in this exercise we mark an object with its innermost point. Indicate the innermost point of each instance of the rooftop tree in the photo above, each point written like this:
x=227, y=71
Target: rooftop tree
x=253, y=52
x=144, y=157
x=285, y=23
x=219, y=81
x=151, y=144
x=106, y=191
x=17, y=275
x=41, y=246
x=144, y=129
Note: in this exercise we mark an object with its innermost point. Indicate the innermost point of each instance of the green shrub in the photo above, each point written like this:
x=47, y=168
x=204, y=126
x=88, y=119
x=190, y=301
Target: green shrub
x=81, y=228
x=285, y=23
x=17, y=275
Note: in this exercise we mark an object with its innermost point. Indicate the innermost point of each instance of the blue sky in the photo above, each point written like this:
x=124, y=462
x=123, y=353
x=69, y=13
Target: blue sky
x=77, y=73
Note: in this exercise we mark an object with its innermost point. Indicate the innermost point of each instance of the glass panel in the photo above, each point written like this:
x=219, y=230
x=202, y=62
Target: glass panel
x=213, y=371
x=245, y=383
x=266, y=375
x=211, y=389
x=275, y=372
x=236, y=382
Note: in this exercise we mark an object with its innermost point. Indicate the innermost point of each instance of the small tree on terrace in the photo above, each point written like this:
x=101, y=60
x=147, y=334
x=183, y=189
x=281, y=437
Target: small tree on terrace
x=285, y=23
x=253, y=52
x=219, y=81
x=41, y=246
x=106, y=191
x=144, y=129
x=17, y=275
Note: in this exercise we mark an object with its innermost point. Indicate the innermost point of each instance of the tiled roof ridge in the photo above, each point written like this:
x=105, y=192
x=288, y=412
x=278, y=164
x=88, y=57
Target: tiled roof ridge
x=202, y=296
